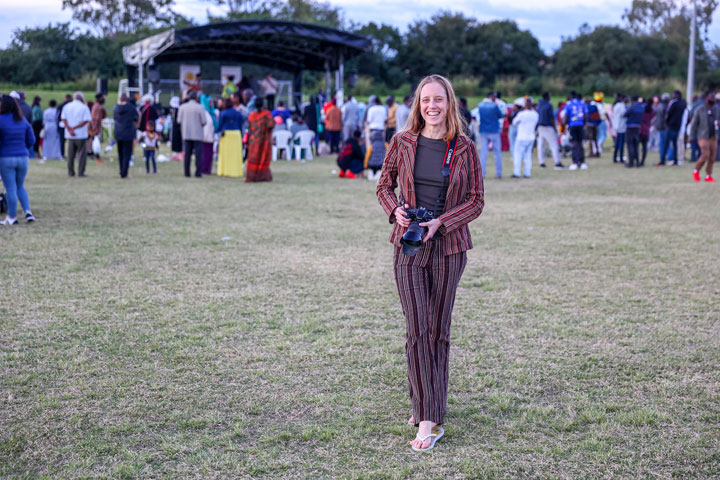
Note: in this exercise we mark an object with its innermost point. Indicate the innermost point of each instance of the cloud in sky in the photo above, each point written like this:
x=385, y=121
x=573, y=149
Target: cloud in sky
x=548, y=20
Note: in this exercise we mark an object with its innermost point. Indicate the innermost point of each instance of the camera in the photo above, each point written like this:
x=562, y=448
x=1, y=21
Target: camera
x=412, y=240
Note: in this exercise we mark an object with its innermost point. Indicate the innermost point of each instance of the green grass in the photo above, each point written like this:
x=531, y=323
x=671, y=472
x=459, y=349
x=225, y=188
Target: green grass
x=165, y=327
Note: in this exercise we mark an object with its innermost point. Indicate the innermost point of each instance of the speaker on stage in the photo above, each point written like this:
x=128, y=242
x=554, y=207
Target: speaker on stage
x=102, y=86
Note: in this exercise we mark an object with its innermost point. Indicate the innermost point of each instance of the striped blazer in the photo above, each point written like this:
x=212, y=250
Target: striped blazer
x=465, y=195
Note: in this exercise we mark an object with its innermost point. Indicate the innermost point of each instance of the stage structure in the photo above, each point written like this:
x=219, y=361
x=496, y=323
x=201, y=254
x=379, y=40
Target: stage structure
x=287, y=46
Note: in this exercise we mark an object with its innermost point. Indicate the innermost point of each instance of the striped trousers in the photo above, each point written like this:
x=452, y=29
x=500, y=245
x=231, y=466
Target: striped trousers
x=427, y=283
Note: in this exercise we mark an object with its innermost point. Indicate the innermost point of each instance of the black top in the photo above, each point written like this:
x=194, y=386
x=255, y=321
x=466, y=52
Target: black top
x=147, y=112
x=674, y=114
x=310, y=117
x=125, y=117
x=429, y=158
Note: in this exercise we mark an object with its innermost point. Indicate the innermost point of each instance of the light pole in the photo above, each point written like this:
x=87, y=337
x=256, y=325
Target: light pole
x=691, y=56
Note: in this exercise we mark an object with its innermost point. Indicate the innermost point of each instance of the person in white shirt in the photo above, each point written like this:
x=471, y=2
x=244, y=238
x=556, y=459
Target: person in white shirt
x=377, y=116
x=269, y=86
x=75, y=117
x=376, y=119
x=620, y=123
x=525, y=121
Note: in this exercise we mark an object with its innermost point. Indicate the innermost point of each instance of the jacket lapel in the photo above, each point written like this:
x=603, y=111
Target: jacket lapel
x=408, y=159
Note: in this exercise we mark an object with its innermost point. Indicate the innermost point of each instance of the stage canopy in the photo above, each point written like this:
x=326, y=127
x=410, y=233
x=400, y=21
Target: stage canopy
x=279, y=45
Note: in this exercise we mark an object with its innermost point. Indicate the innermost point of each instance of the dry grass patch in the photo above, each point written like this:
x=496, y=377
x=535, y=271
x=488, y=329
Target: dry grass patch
x=166, y=327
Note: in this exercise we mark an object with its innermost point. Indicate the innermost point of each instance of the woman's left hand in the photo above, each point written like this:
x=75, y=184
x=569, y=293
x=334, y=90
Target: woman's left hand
x=432, y=227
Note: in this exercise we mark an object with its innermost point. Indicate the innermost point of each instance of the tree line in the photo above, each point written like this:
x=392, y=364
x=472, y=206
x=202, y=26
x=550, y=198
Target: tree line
x=652, y=43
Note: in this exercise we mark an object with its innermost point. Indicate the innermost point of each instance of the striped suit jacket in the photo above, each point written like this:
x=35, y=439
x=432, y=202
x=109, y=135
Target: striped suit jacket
x=465, y=195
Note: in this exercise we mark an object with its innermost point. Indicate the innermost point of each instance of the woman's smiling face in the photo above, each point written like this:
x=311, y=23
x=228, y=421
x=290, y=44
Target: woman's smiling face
x=433, y=104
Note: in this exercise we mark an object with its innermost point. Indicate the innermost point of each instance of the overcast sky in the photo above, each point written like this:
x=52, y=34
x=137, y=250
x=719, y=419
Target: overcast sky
x=548, y=20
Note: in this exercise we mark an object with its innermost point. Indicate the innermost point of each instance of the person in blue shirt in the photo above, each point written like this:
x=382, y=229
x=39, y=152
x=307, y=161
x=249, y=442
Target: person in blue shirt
x=547, y=133
x=231, y=118
x=281, y=111
x=634, y=116
x=575, y=117
x=16, y=140
x=230, y=155
x=489, y=129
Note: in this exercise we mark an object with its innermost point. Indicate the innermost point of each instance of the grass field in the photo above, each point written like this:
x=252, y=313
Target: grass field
x=165, y=327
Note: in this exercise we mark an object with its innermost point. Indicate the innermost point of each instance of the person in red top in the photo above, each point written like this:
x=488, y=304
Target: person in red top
x=260, y=127
x=333, y=125
x=435, y=166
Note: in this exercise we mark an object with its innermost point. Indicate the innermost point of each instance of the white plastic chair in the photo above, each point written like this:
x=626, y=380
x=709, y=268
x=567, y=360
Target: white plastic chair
x=281, y=141
x=305, y=137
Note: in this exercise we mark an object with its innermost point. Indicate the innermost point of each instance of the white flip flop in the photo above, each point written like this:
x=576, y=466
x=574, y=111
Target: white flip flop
x=436, y=435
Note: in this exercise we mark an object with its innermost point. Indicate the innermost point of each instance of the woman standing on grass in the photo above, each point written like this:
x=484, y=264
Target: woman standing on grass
x=260, y=126
x=16, y=139
x=37, y=123
x=51, y=142
x=436, y=166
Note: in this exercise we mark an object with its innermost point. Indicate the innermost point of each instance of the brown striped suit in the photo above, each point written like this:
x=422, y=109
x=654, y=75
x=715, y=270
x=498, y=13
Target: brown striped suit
x=427, y=282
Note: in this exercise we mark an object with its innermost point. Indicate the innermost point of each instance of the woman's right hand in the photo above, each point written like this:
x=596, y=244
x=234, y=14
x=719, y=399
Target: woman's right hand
x=400, y=216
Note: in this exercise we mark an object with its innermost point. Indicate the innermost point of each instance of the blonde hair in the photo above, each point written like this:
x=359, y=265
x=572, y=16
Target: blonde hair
x=416, y=123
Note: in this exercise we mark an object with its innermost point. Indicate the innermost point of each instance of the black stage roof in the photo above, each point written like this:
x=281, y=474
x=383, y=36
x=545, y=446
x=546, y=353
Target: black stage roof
x=281, y=45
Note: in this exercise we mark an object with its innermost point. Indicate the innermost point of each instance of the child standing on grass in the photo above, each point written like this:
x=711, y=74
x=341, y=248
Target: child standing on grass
x=150, y=144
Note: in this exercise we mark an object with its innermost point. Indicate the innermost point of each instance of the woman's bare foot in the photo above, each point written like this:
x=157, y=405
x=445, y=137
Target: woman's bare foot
x=412, y=420
x=425, y=429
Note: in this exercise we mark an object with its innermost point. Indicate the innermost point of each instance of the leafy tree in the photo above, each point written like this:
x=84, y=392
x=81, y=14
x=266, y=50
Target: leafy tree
x=453, y=44
x=53, y=53
x=110, y=18
x=381, y=61
x=667, y=17
x=505, y=50
x=616, y=52
x=304, y=11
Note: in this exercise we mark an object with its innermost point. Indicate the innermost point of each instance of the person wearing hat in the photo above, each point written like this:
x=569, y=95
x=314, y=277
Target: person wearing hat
x=602, y=130
x=76, y=117
x=148, y=113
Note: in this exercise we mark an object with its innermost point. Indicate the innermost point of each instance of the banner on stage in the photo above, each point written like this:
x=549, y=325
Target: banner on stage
x=188, y=77
x=227, y=70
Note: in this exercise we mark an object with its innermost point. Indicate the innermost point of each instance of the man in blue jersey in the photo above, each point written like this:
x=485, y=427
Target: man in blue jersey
x=489, y=130
x=575, y=116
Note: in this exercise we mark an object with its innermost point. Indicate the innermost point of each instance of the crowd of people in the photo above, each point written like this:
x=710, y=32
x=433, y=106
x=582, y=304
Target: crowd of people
x=582, y=124
x=235, y=129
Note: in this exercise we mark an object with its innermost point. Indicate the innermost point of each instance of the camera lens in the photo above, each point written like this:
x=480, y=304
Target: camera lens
x=412, y=240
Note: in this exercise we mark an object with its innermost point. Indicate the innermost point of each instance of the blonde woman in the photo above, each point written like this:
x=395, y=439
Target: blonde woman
x=435, y=166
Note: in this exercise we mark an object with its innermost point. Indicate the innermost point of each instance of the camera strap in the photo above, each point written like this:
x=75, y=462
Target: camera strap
x=446, y=170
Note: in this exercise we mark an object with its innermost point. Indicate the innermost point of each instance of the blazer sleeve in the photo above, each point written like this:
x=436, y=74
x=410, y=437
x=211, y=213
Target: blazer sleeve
x=388, y=180
x=473, y=206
